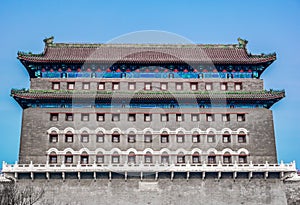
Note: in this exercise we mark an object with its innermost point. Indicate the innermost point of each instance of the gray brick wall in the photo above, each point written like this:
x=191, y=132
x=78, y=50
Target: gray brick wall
x=164, y=191
x=259, y=122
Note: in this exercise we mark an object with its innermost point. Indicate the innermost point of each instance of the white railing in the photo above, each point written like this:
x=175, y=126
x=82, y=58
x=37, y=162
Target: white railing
x=141, y=167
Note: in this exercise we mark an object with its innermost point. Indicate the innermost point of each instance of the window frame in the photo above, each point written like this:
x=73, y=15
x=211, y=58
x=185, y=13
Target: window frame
x=84, y=138
x=115, y=137
x=197, y=117
x=147, y=115
x=166, y=117
x=98, y=115
x=146, y=84
x=226, y=117
x=241, y=117
x=69, y=135
x=226, y=136
x=114, y=84
x=211, y=138
x=51, y=157
x=115, y=116
x=54, y=84
x=53, y=116
x=164, y=138
x=69, y=84
x=100, y=136
x=131, y=84
x=85, y=117
x=192, y=88
x=178, y=84
x=131, y=138
x=131, y=117
x=102, y=84
x=180, y=138
x=225, y=86
x=179, y=117
x=148, y=136
x=88, y=84
x=208, y=117
x=69, y=117
x=208, y=86
x=53, y=137
x=236, y=84
x=164, y=84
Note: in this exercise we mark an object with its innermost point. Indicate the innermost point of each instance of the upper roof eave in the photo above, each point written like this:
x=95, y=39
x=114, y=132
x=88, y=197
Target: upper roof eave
x=145, y=53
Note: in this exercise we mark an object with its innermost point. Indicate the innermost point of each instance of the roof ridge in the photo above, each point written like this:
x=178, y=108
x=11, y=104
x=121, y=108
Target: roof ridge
x=142, y=45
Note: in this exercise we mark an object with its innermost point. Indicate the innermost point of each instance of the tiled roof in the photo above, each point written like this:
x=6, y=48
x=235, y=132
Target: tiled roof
x=69, y=95
x=146, y=53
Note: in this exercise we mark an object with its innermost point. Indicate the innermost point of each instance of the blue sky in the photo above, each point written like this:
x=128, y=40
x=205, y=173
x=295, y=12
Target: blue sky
x=268, y=26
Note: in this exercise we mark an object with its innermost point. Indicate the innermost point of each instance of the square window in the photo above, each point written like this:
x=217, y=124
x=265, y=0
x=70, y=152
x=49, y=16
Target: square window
x=180, y=138
x=115, y=159
x=115, y=117
x=131, y=117
x=53, y=116
x=242, y=159
x=194, y=117
x=242, y=138
x=69, y=159
x=225, y=117
x=164, y=138
x=69, y=116
x=52, y=159
x=164, y=86
x=179, y=117
x=85, y=86
x=100, y=117
x=148, y=138
x=195, y=138
x=53, y=138
x=131, y=138
x=85, y=138
x=226, y=138
x=179, y=86
x=227, y=159
x=84, y=159
x=55, y=86
x=180, y=159
x=85, y=117
x=116, y=138
x=211, y=160
x=164, y=159
x=100, y=138
x=210, y=138
x=194, y=86
x=196, y=159
x=69, y=138
x=241, y=117
x=223, y=86
x=101, y=86
x=116, y=86
x=164, y=117
x=208, y=86
x=210, y=117
x=100, y=159
x=148, y=159
x=238, y=86
x=131, y=86
x=71, y=85
x=148, y=86
x=147, y=117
